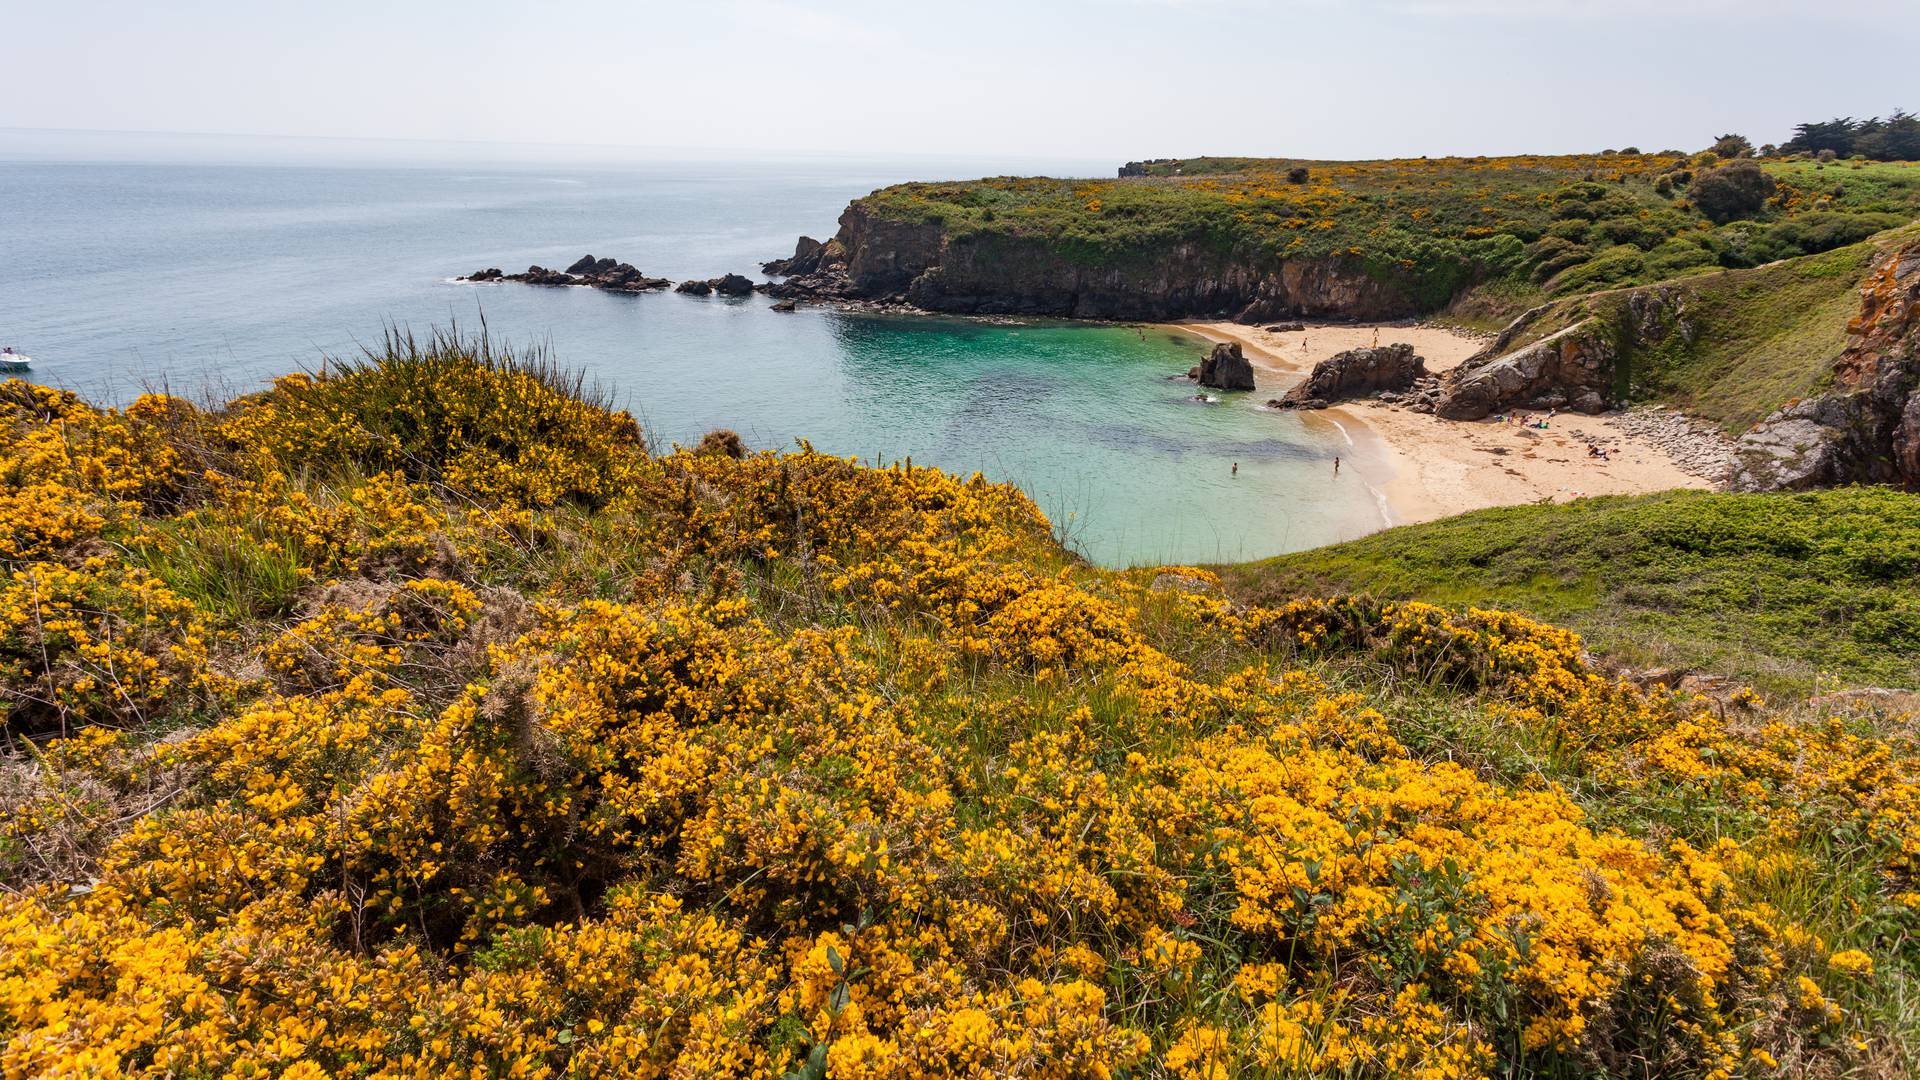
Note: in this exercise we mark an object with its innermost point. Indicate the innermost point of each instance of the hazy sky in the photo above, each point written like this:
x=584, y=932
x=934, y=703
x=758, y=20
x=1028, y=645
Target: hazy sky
x=1094, y=79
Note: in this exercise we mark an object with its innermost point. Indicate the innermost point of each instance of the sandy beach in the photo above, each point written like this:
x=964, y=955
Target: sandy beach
x=1424, y=467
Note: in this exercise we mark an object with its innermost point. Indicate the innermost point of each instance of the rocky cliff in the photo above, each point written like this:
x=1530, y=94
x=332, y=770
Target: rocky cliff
x=1867, y=427
x=920, y=264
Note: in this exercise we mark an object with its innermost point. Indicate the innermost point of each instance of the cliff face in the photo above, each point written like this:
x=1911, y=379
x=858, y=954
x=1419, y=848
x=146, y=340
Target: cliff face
x=1867, y=428
x=1006, y=274
x=1578, y=367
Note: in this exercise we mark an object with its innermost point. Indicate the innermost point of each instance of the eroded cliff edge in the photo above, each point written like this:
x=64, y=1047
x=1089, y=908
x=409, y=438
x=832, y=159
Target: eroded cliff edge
x=877, y=259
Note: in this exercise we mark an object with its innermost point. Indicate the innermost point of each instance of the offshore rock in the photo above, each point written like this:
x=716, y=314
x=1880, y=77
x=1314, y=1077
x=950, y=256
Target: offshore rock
x=1226, y=368
x=733, y=285
x=608, y=274
x=728, y=285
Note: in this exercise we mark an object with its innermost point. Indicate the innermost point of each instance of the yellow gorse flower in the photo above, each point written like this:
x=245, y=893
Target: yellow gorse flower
x=528, y=752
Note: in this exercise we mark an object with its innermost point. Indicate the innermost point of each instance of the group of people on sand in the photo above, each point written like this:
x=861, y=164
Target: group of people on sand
x=1542, y=424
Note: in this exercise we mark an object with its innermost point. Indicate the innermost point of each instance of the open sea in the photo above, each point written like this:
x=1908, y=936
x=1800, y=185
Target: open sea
x=208, y=280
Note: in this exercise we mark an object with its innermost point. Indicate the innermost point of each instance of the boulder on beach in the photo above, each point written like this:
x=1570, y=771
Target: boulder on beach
x=1356, y=373
x=1226, y=368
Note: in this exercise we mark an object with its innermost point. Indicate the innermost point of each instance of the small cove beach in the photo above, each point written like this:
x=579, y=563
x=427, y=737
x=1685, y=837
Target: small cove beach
x=1424, y=467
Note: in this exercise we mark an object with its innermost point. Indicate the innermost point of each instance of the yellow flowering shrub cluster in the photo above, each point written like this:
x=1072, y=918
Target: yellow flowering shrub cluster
x=563, y=758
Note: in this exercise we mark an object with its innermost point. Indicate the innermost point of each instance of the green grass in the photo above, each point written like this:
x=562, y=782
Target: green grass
x=1764, y=337
x=1782, y=591
x=234, y=571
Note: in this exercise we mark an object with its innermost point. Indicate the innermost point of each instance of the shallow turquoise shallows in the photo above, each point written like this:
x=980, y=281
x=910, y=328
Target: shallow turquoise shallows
x=207, y=280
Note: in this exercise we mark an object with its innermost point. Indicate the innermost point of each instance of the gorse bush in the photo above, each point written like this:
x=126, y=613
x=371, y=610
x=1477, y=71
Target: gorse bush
x=570, y=759
x=486, y=423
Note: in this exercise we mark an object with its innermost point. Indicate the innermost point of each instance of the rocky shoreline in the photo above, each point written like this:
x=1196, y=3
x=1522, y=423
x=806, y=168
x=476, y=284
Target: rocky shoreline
x=1698, y=448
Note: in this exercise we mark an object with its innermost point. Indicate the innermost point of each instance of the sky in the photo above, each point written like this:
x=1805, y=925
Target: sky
x=1107, y=80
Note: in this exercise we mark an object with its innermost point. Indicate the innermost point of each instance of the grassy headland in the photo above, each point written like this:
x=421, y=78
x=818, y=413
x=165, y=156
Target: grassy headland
x=417, y=719
x=1783, y=591
x=1508, y=230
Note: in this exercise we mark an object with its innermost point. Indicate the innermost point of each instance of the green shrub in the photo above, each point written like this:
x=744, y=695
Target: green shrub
x=1730, y=192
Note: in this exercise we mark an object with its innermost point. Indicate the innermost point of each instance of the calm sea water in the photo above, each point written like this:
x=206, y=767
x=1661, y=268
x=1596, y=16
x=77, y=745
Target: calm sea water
x=209, y=280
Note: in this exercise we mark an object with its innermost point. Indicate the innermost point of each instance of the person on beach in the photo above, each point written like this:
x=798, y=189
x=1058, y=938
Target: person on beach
x=1336, y=465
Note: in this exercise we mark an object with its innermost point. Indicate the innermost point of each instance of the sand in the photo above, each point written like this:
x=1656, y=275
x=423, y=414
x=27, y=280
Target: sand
x=1424, y=467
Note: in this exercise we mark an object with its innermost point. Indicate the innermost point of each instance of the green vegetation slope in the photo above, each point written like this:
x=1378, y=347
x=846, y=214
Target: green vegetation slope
x=1781, y=590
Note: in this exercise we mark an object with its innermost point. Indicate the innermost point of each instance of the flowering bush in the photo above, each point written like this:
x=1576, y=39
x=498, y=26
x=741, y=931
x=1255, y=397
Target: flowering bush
x=576, y=760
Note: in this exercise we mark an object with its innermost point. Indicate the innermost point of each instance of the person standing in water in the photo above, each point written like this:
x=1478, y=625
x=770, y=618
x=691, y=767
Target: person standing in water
x=1236, y=468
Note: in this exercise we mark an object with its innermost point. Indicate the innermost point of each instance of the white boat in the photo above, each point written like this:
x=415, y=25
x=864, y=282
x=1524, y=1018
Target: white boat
x=13, y=363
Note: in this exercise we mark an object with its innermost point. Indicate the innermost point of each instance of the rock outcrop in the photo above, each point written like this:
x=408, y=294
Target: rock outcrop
x=806, y=259
x=886, y=261
x=1570, y=369
x=733, y=285
x=727, y=285
x=608, y=274
x=1866, y=429
x=1356, y=373
x=1226, y=368
x=1583, y=366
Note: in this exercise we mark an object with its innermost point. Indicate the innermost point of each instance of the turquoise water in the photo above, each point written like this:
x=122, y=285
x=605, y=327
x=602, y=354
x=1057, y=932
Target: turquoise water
x=207, y=280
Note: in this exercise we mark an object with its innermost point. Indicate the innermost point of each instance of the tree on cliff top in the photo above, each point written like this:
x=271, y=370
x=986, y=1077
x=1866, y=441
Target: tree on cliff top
x=1732, y=191
x=1732, y=147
